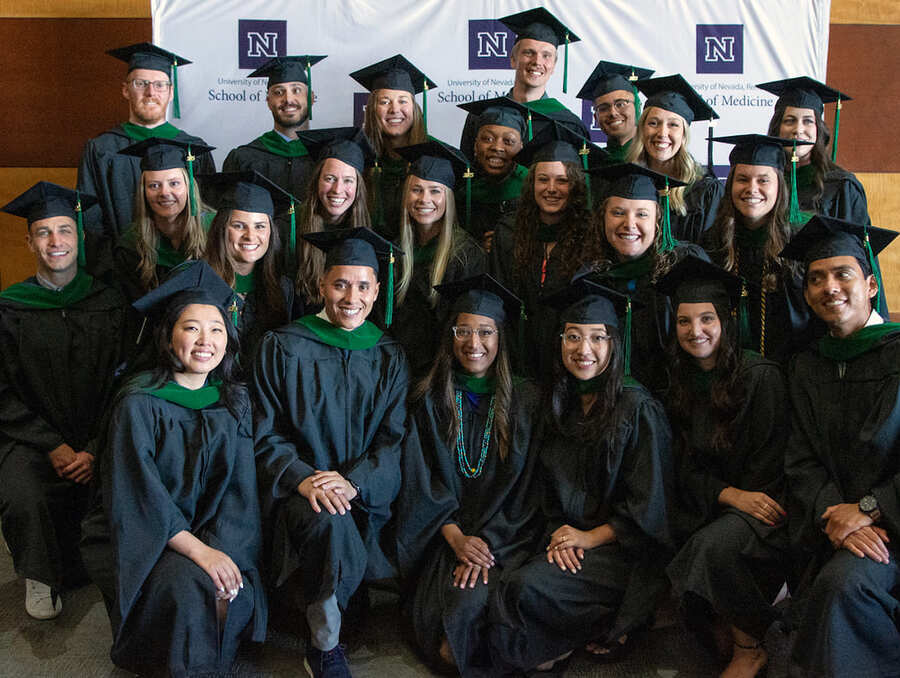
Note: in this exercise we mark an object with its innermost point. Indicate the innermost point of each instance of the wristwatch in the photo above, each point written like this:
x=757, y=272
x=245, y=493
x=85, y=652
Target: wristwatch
x=869, y=505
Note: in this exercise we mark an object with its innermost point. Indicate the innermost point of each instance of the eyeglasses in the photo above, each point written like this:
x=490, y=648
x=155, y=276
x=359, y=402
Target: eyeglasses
x=619, y=104
x=157, y=85
x=467, y=332
x=572, y=340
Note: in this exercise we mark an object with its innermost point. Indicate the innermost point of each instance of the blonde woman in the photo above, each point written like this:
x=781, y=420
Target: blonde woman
x=662, y=145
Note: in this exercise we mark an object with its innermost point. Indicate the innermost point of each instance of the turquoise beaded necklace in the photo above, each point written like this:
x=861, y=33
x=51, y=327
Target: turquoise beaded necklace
x=465, y=465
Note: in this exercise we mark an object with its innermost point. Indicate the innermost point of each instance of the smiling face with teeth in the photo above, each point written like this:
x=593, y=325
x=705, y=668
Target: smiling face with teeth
x=840, y=293
x=475, y=354
x=614, y=118
x=394, y=113
x=287, y=101
x=349, y=293
x=54, y=241
x=699, y=332
x=754, y=191
x=551, y=190
x=426, y=201
x=199, y=339
x=495, y=149
x=147, y=107
x=534, y=62
x=166, y=193
x=589, y=357
x=336, y=188
x=799, y=123
x=247, y=239
x=630, y=225
x=663, y=134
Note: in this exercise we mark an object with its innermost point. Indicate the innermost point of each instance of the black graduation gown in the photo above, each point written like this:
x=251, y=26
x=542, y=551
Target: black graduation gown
x=844, y=444
x=386, y=182
x=729, y=559
x=168, y=468
x=496, y=506
x=250, y=327
x=417, y=324
x=322, y=407
x=113, y=178
x=541, y=612
x=290, y=174
x=652, y=325
x=701, y=199
x=58, y=371
x=494, y=204
x=843, y=196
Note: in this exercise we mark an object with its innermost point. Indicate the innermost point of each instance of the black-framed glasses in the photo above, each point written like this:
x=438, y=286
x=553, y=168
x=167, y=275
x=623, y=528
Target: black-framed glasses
x=619, y=104
x=157, y=85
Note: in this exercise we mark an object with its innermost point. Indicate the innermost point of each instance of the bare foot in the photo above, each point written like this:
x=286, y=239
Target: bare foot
x=746, y=663
x=602, y=648
x=546, y=666
x=446, y=653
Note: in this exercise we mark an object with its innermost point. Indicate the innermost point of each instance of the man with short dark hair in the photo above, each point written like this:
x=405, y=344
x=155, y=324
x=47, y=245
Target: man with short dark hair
x=843, y=459
x=104, y=172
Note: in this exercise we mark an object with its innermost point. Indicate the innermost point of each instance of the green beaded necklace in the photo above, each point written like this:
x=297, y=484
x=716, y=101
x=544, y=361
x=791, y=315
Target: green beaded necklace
x=465, y=465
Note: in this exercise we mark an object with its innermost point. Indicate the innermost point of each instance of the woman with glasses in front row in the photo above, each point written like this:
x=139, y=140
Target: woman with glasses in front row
x=466, y=512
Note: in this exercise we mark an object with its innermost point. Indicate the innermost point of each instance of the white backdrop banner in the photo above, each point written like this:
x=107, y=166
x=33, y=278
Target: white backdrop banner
x=721, y=48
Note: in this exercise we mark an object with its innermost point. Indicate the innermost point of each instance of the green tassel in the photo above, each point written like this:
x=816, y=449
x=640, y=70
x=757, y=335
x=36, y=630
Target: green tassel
x=190, y=168
x=234, y=311
x=176, y=107
x=873, y=263
x=425, y=106
x=566, y=66
x=794, y=216
x=744, y=317
x=668, y=242
x=628, y=337
x=308, y=93
x=389, y=311
x=292, y=212
x=584, y=152
x=837, y=127
x=82, y=259
x=530, y=130
x=637, y=100
x=468, y=177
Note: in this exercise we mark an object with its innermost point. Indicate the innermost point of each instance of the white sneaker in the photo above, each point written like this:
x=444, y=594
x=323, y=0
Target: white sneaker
x=39, y=601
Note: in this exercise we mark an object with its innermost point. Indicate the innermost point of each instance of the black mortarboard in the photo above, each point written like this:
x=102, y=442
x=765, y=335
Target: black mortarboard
x=555, y=142
x=248, y=190
x=539, y=24
x=635, y=182
x=481, y=295
x=347, y=144
x=193, y=281
x=610, y=77
x=586, y=302
x=501, y=111
x=395, y=72
x=693, y=280
x=162, y=154
x=823, y=237
x=287, y=69
x=803, y=92
x=149, y=56
x=45, y=200
x=674, y=94
x=433, y=160
x=758, y=149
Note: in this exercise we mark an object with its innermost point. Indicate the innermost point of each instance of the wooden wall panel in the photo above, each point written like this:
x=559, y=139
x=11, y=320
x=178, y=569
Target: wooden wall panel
x=883, y=193
x=16, y=261
x=65, y=89
x=83, y=9
x=865, y=12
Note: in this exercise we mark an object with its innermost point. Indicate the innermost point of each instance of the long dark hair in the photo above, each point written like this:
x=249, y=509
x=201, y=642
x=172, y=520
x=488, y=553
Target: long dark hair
x=599, y=425
x=271, y=309
x=577, y=244
x=168, y=363
x=728, y=391
x=721, y=243
x=439, y=383
x=819, y=157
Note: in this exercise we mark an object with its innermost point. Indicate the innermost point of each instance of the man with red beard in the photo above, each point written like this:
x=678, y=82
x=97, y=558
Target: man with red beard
x=104, y=172
x=278, y=154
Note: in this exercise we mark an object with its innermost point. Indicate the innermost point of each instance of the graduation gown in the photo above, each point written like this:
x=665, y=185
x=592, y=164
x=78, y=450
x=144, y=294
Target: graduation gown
x=386, y=180
x=168, y=468
x=843, y=196
x=730, y=560
x=324, y=407
x=496, y=506
x=626, y=480
x=287, y=164
x=251, y=328
x=58, y=370
x=114, y=178
x=701, y=200
x=417, y=324
x=844, y=444
x=494, y=203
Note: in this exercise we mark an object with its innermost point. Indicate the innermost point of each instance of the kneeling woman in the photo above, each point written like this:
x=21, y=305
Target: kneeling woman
x=604, y=462
x=467, y=503
x=730, y=414
x=179, y=491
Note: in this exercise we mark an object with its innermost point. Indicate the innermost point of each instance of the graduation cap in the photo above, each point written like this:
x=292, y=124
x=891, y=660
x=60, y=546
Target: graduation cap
x=45, y=200
x=759, y=149
x=290, y=69
x=192, y=282
x=539, y=24
x=481, y=295
x=586, y=302
x=396, y=72
x=249, y=191
x=804, y=92
x=149, y=56
x=501, y=111
x=358, y=247
x=694, y=281
x=609, y=76
x=347, y=144
x=434, y=160
x=162, y=154
x=635, y=182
